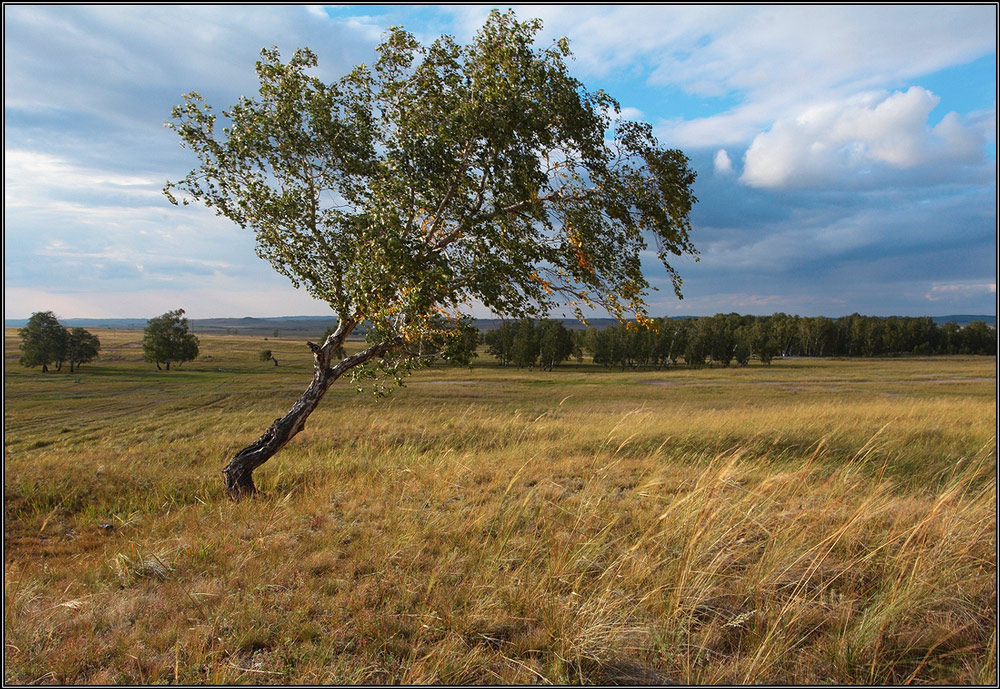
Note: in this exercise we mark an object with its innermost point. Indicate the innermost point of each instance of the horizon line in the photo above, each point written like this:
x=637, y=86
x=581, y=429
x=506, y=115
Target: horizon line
x=499, y=318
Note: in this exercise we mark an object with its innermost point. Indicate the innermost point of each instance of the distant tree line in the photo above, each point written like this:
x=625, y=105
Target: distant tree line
x=45, y=341
x=719, y=340
x=726, y=339
x=732, y=339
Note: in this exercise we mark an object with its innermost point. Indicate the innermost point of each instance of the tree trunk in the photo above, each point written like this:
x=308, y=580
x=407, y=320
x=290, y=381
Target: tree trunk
x=238, y=473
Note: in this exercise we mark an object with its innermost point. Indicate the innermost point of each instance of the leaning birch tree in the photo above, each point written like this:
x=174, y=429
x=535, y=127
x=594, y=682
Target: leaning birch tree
x=441, y=176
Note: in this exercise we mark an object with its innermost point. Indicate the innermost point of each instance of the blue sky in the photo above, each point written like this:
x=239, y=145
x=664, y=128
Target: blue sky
x=846, y=155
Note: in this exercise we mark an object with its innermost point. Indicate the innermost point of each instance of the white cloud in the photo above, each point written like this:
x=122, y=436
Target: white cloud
x=79, y=227
x=752, y=303
x=32, y=177
x=634, y=114
x=130, y=64
x=957, y=291
x=866, y=135
x=732, y=128
x=723, y=164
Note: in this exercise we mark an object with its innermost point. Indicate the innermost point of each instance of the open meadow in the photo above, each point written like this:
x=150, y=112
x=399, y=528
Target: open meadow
x=815, y=521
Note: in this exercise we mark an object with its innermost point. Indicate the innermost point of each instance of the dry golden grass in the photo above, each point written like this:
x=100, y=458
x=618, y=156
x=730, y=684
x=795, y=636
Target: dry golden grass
x=813, y=522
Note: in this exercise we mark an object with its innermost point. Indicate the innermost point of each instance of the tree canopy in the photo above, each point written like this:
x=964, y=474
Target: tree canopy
x=82, y=347
x=166, y=339
x=440, y=177
x=724, y=338
x=43, y=341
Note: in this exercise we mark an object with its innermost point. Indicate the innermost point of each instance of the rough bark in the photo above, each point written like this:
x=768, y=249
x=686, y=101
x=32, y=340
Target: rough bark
x=238, y=473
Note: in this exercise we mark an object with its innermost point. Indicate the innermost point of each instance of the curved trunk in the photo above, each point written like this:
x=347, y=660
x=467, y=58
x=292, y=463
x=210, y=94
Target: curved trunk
x=238, y=473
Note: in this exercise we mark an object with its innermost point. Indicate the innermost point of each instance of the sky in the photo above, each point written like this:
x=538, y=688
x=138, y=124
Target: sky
x=846, y=154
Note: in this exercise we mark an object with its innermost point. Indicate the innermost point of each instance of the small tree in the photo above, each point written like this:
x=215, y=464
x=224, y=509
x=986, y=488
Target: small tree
x=697, y=343
x=524, y=350
x=441, y=176
x=500, y=342
x=763, y=342
x=82, y=347
x=167, y=339
x=743, y=347
x=578, y=338
x=555, y=344
x=267, y=356
x=43, y=341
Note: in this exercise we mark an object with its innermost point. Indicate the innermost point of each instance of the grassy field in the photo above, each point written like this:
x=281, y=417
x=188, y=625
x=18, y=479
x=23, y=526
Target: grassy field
x=815, y=521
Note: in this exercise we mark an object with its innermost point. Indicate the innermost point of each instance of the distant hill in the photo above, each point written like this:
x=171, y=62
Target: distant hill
x=313, y=326
x=304, y=326
x=964, y=320
x=287, y=325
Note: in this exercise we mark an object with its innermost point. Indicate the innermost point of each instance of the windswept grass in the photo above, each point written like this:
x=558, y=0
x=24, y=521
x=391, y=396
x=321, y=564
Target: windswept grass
x=812, y=522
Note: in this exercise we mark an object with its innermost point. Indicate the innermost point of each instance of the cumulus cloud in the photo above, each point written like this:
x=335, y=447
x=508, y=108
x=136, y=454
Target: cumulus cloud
x=837, y=142
x=722, y=162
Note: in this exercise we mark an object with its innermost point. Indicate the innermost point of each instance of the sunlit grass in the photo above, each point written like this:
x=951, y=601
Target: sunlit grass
x=816, y=521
